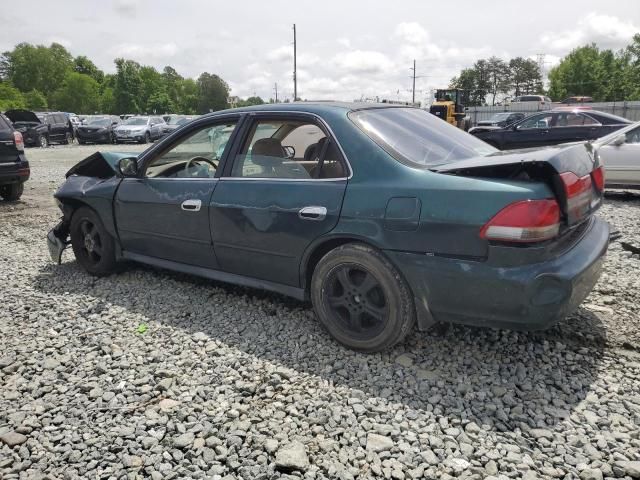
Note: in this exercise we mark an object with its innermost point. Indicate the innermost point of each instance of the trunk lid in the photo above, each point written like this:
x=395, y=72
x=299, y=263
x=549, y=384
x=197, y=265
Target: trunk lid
x=24, y=116
x=556, y=166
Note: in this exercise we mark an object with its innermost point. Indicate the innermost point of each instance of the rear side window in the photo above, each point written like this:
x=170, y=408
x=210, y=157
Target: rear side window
x=417, y=137
x=4, y=125
x=288, y=149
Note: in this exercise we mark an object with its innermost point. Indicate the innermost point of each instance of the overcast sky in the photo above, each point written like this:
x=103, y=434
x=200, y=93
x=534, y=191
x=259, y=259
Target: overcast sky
x=347, y=49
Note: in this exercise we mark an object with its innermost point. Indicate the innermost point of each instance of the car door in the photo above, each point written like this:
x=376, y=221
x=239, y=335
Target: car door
x=622, y=162
x=283, y=190
x=155, y=125
x=570, y=127
x=164, y=211
x=530, y=132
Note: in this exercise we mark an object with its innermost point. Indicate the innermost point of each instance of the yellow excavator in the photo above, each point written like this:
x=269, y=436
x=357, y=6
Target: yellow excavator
x=449, y=106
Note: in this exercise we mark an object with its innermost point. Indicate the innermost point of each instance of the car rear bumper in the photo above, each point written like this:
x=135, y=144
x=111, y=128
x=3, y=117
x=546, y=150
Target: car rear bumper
x=524, y=297
x=14, y=172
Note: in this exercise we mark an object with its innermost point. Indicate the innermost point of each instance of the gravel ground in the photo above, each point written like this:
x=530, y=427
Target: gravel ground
x=148, y=374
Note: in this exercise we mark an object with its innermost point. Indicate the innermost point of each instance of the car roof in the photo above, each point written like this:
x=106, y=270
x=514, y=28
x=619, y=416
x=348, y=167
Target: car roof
x=310, y=107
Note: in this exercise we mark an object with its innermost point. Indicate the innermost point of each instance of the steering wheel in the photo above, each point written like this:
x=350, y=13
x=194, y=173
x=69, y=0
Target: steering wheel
x=200, y=159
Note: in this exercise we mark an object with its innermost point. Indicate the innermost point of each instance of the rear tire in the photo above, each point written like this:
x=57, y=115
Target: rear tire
x=361, y=298
x=12, y=192
x=92, y=245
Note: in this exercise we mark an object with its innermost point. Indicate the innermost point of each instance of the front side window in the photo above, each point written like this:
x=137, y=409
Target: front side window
x=196, y=156
x=537, y=121
x=417, y=137
x=288, y=149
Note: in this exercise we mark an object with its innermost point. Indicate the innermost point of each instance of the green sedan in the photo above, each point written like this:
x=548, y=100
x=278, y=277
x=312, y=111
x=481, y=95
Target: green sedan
x=385, y=218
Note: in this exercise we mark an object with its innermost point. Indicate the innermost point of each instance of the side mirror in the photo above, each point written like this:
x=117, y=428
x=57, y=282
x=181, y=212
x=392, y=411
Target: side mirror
x=289, y=151
x=619, y=141
x=128, y=166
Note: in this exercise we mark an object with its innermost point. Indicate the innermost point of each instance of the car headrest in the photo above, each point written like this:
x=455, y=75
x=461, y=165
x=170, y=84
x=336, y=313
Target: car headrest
x=270, y=147
x=313, y=150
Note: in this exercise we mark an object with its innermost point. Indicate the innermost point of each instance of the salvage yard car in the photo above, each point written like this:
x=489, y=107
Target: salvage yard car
x=14, y=167
x=98, y=130
x=620, y=154
x=41, y=129
x=551, y=128
x=497, y=120
x=139, y=129
x=383, y=216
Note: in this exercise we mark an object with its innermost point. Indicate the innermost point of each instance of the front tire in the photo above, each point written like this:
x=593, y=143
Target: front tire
x=12, y=192
x=361, y=298
x=146, y=139
x=68, y=138
x=92, y=245
x=43, y=141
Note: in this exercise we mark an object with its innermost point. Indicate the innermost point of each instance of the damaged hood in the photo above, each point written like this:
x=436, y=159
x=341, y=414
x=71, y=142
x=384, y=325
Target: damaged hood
x=22, y=116
x=99, y=165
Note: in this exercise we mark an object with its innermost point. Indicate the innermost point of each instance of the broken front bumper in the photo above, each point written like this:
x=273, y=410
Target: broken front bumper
x=57, y=241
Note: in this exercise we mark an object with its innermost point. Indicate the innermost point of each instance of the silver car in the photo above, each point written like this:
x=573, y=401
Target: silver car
x=620, y=153
x=140, y=129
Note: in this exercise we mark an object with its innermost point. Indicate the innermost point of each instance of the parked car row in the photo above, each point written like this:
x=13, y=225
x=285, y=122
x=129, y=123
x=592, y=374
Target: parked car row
x=41, y=128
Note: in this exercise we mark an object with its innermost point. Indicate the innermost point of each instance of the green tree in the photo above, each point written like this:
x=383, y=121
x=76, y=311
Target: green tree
x=78, y=93
x=108, y=101
x=213, y=93
x=172, y=84
x=10, y=97
x=82, y=64
x=160, y=103
x=151, y=85
x=251, y=101
x=128, y=86
x=579, y=73
x=35, y=100
x=188, y=97
x=469, y=81
x=36, y=67
x=524, y=76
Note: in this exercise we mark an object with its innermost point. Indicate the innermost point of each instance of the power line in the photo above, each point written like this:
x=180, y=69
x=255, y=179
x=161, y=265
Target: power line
x=295, y=78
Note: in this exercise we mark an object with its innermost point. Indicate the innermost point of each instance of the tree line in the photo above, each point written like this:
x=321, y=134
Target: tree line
x=38, y=77
x=604, y=75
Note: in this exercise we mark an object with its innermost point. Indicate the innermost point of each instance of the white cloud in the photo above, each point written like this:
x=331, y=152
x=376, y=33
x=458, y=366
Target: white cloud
x=125, y=8
x=606, y=31
x=281, y=54
x=62, y=41
x=145, y=53
x=412, y=32
x=362, y=61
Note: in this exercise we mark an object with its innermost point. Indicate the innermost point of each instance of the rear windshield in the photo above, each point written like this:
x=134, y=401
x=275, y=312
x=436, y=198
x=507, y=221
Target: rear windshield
x=417, y=137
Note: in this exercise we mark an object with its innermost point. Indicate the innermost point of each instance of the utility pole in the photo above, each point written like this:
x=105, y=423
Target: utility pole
x=413, y=94
x=276, y=89
x=295, y=78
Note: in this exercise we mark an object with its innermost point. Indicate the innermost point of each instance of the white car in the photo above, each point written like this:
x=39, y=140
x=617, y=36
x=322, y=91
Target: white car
x=620, y=153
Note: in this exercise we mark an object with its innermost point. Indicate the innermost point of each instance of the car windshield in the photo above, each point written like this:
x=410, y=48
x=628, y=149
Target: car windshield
x=498, y=117
x=176, y=121
x=417, y=137
x=136, y=121
x=99, y=122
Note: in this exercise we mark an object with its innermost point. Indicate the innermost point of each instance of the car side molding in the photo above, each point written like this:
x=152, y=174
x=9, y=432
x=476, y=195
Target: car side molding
x=294, y=292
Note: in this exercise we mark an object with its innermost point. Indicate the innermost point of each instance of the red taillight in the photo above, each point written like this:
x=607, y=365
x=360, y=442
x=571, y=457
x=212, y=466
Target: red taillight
x=578, y=191
x=598, y=178
x=18, y=141
x=524, y=221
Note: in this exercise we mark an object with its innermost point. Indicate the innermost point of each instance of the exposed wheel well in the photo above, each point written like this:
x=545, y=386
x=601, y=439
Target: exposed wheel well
x=319, y=252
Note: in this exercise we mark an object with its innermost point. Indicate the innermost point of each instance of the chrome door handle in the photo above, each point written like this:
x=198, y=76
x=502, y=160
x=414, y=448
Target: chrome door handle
x=312, y=213
x=191, y=205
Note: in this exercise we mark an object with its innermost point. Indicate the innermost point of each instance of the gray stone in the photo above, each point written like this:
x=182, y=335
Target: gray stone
x=591, y=474
x=13, y=438
x=184, y=440
x=378, y=443
x=404, y=360
x=292, y=456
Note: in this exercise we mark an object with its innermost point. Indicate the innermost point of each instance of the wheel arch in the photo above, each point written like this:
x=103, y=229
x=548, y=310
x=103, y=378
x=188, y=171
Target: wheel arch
x=324, y=245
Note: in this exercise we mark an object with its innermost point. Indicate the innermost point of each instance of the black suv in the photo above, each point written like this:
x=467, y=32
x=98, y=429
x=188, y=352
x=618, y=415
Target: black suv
x=41, y=129
x=14, y=168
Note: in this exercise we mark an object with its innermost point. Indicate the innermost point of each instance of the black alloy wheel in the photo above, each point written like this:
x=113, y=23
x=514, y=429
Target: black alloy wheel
x=43, y=142
x=92, y=244
x=361, y=298
x=355, y=297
